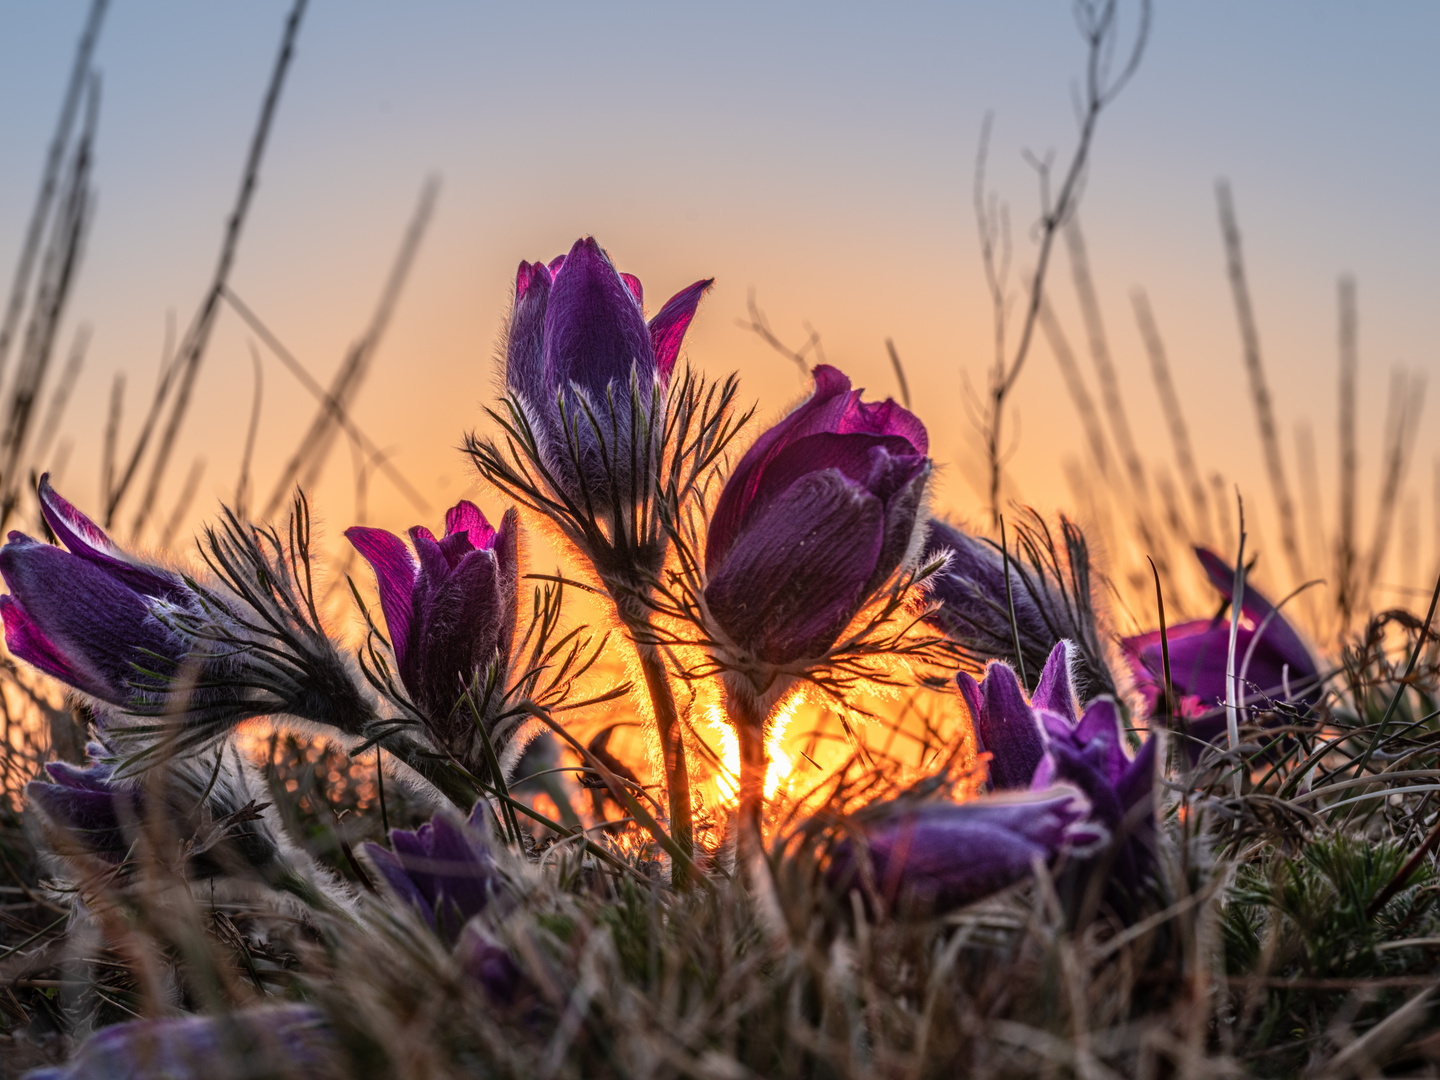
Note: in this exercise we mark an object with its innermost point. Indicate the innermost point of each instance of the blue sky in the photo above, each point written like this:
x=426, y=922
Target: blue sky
x=820, y=154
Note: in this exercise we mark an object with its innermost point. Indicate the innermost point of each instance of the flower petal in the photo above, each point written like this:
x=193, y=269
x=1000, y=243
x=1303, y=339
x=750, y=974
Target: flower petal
x=1006, y=729
x=667, y=328
x=457, y=632
x=271, y=1040
x=395, y=573
x=88, y=541
x=465, y=517
x=525, y=342
x=1278, y=635
x=1054, y=693
x=636, y=289
x=796, y=576
x=942, y=855
x=595, y=332
x=97, y=632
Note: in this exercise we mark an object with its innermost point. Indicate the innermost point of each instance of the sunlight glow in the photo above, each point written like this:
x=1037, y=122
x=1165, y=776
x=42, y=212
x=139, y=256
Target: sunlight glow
x=727, y=778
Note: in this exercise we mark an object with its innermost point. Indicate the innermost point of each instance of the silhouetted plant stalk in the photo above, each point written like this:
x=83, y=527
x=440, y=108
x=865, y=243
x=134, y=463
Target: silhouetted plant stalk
x=1098, y=22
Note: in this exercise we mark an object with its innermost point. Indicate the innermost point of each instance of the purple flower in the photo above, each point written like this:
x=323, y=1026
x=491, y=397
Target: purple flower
x=444, y=870
x=578, y=337
x=450, y=607
x=211, y=810
x=940, y=855
x=97, y=811
x=1272, y=662
x=974, y=606
x=1046, y=740
x=816, y=516
x=271, y=1040
x=490, y=964
x=87, y=616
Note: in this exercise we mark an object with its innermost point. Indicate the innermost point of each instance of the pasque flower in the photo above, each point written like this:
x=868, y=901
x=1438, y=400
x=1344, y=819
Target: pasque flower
x=450, y=608
x=940, y=855
x=587, y=367
x=88, y=616
x=444, y=870
x=974, y=607
x=271, y=1040
x=1271, y=661
x=102, y=812
x=1036, y=743
x=150, y=642
x=816, y=516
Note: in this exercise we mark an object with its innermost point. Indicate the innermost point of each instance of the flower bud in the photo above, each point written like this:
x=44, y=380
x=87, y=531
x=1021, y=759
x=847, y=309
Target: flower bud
x=814, y=519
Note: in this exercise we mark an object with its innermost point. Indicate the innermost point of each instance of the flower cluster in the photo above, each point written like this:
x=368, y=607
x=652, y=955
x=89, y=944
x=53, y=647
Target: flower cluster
x=807, y=561
x=1064, y=786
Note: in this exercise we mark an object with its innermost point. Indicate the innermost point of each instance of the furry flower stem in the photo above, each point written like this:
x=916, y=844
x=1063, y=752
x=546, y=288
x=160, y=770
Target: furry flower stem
x=672, y=748
x=750, y=720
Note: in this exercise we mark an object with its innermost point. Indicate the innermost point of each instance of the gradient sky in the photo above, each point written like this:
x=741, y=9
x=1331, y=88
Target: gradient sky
x=819, y=153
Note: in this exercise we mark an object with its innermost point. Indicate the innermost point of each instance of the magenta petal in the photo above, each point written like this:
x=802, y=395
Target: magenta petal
x=395, y=573
x=667, y=329
x=1054, y=692
x=636, y=289
x=27, y=642
x=1278, y=635
x=465, y=517
x=885, y=418
x=795, y=578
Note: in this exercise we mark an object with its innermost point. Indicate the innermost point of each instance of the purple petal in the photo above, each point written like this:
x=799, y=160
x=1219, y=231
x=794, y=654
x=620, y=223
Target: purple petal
x=795, y=578
x=1006, y=728
x=27, y=642
x=271, y=1040
x=595, y=332
x=1100, y=727
x=88, y=541
x=1054, y=693
x=467, y=876
x=465, y=517
x=400, y=882
x=832, y=410
x=943, y=855
x=902, y=518
x=101, y=818
x=395, y=573
x=490, y=964
x=458, y=631
x=858, y=457
x=525, y=343
x=667, y=329
x=1138, y=779
x=506, y=547
x=1278, y=635
x=96, y=630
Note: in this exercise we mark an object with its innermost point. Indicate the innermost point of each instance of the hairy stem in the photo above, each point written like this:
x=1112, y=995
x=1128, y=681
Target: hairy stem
x=749, y=724
x=672, y=745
